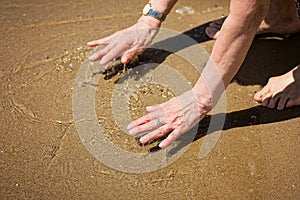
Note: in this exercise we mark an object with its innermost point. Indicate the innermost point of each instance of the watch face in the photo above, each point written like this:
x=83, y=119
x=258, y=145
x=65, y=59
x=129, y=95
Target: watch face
x=146, y=9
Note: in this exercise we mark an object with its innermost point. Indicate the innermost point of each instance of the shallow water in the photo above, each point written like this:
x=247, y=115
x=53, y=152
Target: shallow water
x=41, y=154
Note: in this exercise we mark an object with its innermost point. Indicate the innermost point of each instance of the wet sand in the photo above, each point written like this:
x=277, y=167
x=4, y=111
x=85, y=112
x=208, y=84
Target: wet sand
x=42, y=156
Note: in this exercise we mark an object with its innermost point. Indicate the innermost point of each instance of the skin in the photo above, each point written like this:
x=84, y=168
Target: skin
x=131, y=48
x=281, y=19
x=228, y=54
x=281, y=91
x=181, y=113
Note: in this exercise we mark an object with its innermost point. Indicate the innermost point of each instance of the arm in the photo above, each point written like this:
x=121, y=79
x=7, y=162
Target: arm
x=133, y=40
x=181, y=113
x=231, y=47
x=162, y=6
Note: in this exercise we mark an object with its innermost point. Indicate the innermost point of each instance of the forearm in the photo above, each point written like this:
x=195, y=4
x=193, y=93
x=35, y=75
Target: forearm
x=162, y=6
x=230, y=48
x=236, y=36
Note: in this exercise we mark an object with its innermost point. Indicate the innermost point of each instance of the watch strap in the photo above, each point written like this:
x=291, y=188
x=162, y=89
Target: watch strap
x=160, y=16
x=149, y=11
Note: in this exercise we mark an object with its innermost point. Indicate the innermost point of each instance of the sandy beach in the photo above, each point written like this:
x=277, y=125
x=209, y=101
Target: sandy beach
x=42, y=155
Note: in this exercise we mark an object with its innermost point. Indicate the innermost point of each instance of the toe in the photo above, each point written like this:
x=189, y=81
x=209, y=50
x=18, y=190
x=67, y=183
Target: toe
x=273, y=101
x=214, y=28
x=212, y=32
x=262, y=94
x=215, y=25
x=292, y=102
x=265, y=102
x=258, y=97
x=266, y=99
x=282, y=103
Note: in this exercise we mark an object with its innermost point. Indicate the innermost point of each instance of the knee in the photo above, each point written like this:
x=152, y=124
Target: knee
x=260, y=10
x=253, y=11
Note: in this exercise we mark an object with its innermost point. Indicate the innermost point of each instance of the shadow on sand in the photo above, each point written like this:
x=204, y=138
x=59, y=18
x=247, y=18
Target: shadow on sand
x=268, y=56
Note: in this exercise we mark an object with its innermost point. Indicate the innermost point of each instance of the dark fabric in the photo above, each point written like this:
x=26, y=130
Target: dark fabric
x=298, y=7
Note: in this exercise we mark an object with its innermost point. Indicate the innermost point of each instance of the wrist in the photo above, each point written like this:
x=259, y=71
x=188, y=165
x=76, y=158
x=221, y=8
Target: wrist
x=163, y=6
x=203, y=99
x=150, y=21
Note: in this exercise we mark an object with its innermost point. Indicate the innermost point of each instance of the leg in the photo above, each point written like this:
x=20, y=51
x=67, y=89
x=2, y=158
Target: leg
x=281, y=91
x=282, y=18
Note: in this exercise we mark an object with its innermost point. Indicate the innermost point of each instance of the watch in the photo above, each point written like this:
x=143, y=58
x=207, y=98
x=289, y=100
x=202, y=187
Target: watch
x=149, y=11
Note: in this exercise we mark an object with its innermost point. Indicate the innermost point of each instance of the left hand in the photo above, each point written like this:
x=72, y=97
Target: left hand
x=126, y=43
x=176, y=116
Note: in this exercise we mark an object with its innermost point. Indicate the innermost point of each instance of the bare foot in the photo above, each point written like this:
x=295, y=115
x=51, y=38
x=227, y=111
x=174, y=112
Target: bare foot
x=281, y=91
x=287, y=26
x=214, y=28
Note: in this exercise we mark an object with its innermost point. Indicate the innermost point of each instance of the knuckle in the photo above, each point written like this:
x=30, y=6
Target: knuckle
x=161, y=133
x=172, y=136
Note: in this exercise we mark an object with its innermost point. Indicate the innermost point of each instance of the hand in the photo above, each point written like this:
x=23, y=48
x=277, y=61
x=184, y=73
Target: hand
x=128, y=42
x=176, y=116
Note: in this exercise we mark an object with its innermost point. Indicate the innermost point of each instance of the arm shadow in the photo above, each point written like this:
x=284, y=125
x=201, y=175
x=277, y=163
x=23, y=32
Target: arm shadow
x=249, y=117
x=268, y=56
x=197, y=35
x=157, y=54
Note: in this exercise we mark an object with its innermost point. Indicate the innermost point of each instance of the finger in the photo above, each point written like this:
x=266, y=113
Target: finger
x=150, y=126
x=171, y=137
x=103, y=41
x=93, y=43
x=128, y=55
x=113, y=53
x=153, y=108
x=99, y=54
x=144, y=119
x=160, y=132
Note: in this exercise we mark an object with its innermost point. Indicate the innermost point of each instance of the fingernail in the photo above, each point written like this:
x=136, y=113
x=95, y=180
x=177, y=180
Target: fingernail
x=142, y=139
x=89, y=43
x=103, y=62
x=124, y=60
x=132, y=132
x=161, y=145
x=149, y=108
x=92, y=57
x=130, y=126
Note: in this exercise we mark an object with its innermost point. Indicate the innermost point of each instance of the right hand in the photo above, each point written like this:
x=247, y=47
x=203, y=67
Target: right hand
x=174, y=117
x=128, y=42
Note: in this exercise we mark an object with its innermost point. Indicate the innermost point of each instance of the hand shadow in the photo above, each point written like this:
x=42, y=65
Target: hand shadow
x=156, y=53
x=268, y=56
x=248, y=117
